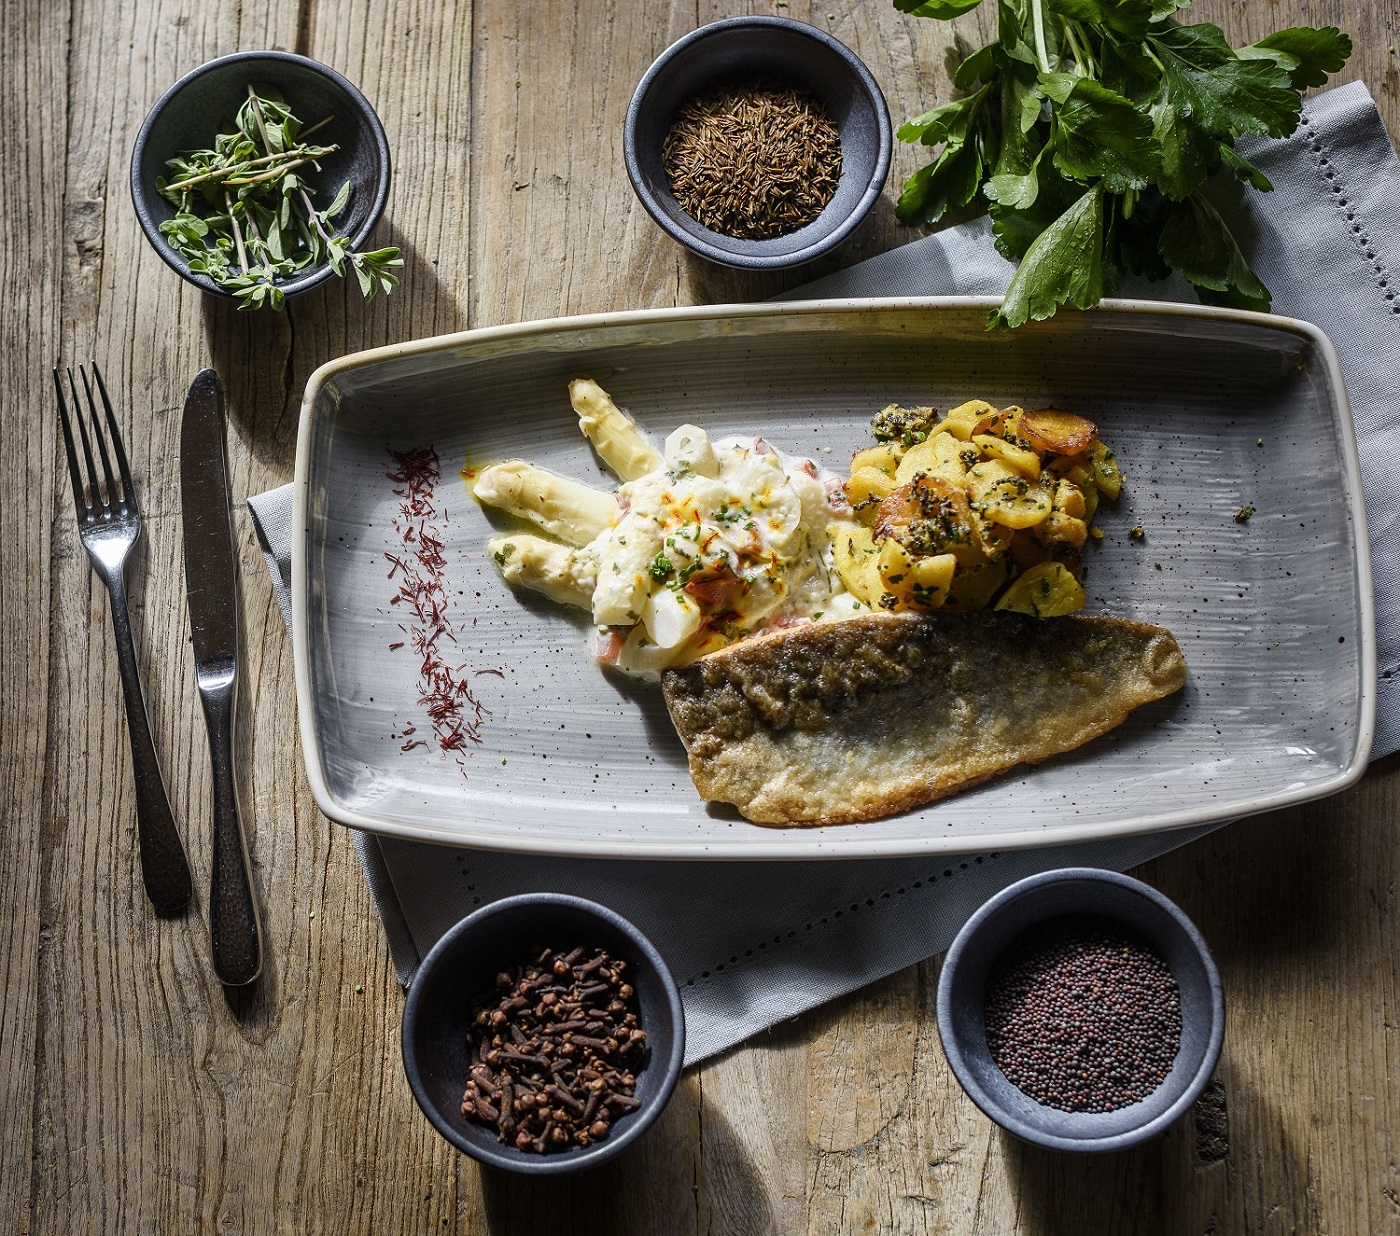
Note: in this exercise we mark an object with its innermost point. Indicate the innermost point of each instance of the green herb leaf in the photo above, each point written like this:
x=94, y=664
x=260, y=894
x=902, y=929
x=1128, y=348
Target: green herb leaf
x=1100, y=133
x=1308, y=54
x=1198, y=242
x=1129, y=17
x=1064, y=264
x=1244, y=169
x=1224, y=95
x=942, y=10
x=952, y=180
x=1186, y=152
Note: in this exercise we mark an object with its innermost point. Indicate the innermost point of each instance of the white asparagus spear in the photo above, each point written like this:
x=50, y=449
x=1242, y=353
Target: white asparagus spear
x=614, y=434
x=564, y=575
x=572, y=511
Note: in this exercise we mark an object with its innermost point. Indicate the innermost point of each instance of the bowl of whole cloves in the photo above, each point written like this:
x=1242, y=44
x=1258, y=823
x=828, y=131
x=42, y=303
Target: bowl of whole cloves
x=543, y=1034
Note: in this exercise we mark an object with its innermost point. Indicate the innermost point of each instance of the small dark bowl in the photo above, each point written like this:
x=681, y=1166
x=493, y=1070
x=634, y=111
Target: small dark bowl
x=772, y=47
x=204, y=102
x=458, y=976
x=1035, y=902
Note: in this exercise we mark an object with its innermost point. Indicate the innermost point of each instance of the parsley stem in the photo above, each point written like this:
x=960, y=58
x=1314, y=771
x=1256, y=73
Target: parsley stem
x=1038, y=20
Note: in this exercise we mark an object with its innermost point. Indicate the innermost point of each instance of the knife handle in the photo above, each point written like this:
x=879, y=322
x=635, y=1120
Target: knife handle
x=234, y=932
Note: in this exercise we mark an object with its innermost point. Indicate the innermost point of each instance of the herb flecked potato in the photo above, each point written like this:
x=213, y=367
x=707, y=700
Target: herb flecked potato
x=985, y=506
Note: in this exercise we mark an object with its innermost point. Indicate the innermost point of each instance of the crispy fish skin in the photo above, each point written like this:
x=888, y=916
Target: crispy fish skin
x=837, y=722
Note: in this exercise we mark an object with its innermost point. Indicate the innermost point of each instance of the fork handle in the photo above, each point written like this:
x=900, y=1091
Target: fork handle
x=165, y=871
x=234, y=931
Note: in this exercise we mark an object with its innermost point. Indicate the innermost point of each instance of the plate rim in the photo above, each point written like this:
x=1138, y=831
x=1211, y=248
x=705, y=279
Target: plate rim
x=818, y=842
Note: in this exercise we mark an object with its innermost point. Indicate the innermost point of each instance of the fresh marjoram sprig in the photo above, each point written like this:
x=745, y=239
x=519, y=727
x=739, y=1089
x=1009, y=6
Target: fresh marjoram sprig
x=245, y=215
x=1090, y=128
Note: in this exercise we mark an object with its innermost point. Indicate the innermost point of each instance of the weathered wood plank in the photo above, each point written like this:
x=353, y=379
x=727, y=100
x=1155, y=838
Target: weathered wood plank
x=36, y=525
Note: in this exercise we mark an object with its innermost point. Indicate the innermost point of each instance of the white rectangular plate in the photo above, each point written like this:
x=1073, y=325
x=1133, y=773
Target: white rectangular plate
x=1209, y=411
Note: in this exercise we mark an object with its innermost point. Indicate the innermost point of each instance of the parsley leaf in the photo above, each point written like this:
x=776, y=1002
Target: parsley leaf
x=1092, y=132
x=1064, y=264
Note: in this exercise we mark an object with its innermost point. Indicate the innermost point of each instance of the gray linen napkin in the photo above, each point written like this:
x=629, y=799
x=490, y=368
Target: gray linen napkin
x=754, y=943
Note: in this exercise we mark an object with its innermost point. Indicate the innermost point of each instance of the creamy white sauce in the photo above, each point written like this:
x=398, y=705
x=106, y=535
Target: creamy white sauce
x=726, y=539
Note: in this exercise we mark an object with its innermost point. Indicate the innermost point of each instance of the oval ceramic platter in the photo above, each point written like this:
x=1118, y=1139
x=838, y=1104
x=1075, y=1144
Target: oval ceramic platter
x=1209, y=412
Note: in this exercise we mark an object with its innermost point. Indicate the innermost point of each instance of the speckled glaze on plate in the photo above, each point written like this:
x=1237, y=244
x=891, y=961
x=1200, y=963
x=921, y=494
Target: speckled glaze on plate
x=1209, y=411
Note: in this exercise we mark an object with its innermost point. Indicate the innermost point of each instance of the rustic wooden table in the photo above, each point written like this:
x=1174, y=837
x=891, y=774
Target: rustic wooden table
x=137, y=1096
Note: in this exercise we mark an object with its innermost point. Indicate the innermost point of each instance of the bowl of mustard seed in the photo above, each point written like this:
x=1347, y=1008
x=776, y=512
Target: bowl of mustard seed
x=758, y=142
x=1081, y=1010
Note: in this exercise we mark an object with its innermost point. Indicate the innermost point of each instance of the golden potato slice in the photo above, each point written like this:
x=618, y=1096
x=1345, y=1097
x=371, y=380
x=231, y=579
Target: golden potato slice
x=1061, y=529
x=1006, y=497
x=1000, y=423
x=1057, y=432
x=930, y=515
x=941, y=456
x=1106, y=474
x=867, y=488
x=974, y=588
x=1044, y=591
x=1027, y=463
x=883, y=458
x=856, y=561
x=961, y=421
x=1069, y=498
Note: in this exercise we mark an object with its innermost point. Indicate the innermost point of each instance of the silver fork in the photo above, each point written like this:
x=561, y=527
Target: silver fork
x=109, y=523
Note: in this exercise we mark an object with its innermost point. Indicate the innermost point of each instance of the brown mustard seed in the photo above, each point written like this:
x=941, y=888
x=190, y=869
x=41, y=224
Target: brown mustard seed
x=554, y=1063
x=753, y=159
x=1083, y=1016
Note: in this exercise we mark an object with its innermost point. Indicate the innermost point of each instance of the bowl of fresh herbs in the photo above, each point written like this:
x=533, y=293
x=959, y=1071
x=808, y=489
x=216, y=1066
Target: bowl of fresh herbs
x=260, y=175
x=1090, y=130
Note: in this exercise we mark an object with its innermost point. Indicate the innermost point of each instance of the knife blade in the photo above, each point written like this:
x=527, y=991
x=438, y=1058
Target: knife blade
x=211, y=580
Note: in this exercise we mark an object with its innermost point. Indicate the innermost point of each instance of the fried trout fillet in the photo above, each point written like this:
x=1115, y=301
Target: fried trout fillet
x=853, y=720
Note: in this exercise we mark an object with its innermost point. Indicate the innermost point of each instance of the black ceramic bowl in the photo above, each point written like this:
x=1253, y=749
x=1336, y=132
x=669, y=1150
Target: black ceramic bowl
x=1034, y=903
x=204, y=102
x=458, y=976
x=741, y=47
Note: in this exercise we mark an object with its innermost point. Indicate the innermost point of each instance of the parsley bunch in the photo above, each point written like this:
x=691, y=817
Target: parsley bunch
x=1089, y=129
x=244, y=214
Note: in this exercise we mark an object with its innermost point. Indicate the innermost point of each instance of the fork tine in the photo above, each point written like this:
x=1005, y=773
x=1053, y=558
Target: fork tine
x=97, y=499
x=128, y=489
x=100, y=435
x=70, y=449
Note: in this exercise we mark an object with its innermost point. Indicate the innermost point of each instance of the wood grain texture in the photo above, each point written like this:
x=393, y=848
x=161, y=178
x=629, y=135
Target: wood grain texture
x=138, y=1097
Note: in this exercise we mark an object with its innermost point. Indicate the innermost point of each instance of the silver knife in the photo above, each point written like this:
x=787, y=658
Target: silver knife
x=211, y=579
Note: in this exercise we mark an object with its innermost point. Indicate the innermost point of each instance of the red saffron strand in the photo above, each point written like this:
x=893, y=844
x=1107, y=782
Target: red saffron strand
x=455, y=713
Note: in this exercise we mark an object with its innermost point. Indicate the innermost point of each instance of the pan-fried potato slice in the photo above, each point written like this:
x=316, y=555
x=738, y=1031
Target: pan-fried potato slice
x=940, y=455
x=571, y=511
x=1106, y=474
x=1027, y=463
x=856, y=562
x=614, y=434
x=883, y=457
x=868, y=486
x=1057, y=432
x=961, y=421
x=1006, y=497
x=1044, y=591
x=564, y=575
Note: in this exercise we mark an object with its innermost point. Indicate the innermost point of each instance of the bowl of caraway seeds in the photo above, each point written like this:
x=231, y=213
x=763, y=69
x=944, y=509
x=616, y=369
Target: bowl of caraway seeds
x=543, y=1034
x=758, y=142
x=1081, y=1010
